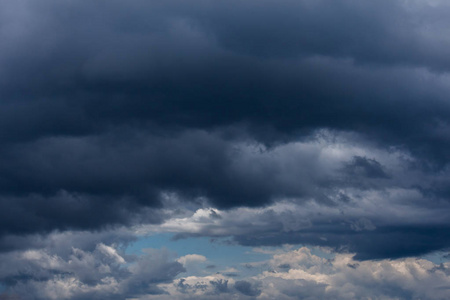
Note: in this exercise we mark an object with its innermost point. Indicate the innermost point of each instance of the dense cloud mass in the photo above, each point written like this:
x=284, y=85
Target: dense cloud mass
x=299, y=274
x=101, y=273
x=322, y=123
x=105, y=272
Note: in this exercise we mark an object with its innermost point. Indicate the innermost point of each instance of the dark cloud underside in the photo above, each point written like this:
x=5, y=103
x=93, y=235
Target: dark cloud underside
x=108, y=106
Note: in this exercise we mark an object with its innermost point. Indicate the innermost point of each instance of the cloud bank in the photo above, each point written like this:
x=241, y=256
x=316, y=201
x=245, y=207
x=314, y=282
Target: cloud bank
x=266, y=122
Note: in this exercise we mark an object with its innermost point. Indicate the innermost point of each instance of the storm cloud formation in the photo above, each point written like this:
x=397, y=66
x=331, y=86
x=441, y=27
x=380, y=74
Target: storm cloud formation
x=312, y=122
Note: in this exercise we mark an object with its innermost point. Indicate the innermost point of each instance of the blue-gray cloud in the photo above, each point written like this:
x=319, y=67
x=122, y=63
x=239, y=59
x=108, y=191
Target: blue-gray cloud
x=108, y=107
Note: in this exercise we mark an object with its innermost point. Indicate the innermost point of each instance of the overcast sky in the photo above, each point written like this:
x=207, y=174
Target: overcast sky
x=212, y=149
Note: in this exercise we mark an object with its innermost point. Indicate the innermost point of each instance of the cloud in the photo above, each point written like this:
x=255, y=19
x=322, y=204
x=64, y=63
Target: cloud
x=344, y=278
x=247, y=288
x=119, y=114
x=269, y=122
x=330, y=189
x=364, y=167
x=374, y=225
x=311, y=276
x=111, y=252
x=126, y=180
x=120, y=69
x=103, y=272
x=191, y=259
x=325, y=203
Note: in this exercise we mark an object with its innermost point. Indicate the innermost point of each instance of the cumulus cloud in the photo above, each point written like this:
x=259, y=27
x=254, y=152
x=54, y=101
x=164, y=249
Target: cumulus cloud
x=299, y=274
x=344, y=278
x=191, y=258
x=100, y=273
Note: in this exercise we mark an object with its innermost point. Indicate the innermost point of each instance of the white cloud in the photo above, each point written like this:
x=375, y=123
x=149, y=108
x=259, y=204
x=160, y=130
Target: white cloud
x=111, y=252
x=299, y=274
x=191, y=258
x=345, y=278
x=99, y=273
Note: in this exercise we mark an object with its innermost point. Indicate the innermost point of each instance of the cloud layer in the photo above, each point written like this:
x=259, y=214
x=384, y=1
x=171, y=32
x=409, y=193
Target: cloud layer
x=106, y=272
x=267, y=122
x=299, y=274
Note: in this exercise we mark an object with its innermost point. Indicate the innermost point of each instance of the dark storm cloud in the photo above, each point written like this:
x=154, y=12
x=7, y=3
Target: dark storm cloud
x=370, y=216
x=386, y=242
x=108, y=105
x=368, y=242
x=85, y=183
x=94, y=65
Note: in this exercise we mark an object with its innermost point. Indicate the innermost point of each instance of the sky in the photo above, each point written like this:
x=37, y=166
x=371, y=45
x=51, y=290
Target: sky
x=212, y=149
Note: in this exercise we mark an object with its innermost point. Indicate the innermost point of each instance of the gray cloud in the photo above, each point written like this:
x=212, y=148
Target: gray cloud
x=121, y=114
x=247, y=288
x=341, y=181
x=119, y=68
x=99, y=271
x=324, y=202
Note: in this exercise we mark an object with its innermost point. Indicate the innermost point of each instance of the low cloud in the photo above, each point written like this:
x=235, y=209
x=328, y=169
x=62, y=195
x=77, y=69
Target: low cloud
x=83, y=274
x=191, y=258
x=314, y=277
